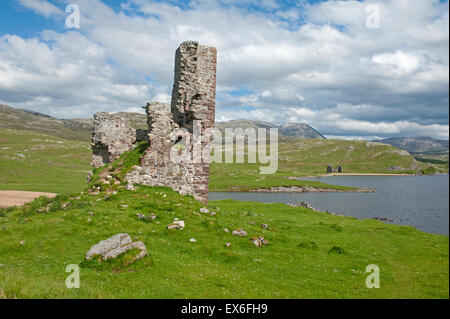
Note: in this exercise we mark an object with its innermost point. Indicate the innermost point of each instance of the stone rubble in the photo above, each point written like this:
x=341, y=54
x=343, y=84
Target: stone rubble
x=259, y=241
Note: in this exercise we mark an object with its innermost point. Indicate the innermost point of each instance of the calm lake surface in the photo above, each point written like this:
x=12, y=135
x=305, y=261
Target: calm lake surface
x=419, y=201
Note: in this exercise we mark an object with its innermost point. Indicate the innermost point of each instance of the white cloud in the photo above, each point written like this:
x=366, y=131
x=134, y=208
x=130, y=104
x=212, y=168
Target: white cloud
x=42, y=7
x=325, y=69
x=396, y=64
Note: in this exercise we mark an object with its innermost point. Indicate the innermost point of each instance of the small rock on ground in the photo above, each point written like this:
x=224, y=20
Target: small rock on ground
x=239, y=232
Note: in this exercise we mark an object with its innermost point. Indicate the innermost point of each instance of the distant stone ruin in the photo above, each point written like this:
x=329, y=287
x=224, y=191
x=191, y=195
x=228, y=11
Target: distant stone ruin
x=338, y=169
x=191, y=112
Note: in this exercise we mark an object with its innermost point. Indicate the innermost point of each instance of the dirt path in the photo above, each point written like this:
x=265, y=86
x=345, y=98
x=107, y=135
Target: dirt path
x=18, y=198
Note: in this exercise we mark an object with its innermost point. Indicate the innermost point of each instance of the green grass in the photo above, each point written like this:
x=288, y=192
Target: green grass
x=438, y=162
x=310, y=254
x=57, y=165
x=431, y=160
x=242, y=178
x=39, y=162
x=310, y=157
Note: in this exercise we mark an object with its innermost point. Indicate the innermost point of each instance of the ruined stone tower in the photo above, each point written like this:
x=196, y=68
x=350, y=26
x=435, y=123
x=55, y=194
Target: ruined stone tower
x=177, y=155
x=194, y=89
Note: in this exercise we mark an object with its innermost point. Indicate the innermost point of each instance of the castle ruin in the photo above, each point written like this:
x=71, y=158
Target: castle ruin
x=170, y=128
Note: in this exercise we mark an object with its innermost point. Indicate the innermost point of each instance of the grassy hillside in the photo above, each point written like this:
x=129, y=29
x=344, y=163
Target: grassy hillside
x=304, y=157
x=420, y=144
x=11, y=118
x=312, y=156
x=38, y=162
x=309, y=255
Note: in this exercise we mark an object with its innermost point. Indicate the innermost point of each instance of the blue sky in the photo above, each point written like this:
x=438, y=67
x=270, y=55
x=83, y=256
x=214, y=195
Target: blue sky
x=315, y=62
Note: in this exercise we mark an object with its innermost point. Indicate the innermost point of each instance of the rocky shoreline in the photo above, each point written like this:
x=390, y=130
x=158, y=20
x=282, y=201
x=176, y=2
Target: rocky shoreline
x=309, y=189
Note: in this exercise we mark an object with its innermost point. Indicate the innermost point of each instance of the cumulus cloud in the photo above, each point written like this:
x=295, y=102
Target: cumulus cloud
x=339, y=121
x=315, y=63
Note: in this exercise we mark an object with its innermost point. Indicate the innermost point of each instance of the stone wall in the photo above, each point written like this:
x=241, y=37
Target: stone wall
x=173, y=128
x=111, y=136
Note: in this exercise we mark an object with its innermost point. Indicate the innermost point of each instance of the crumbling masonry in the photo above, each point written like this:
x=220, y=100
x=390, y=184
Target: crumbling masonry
x=169, y=127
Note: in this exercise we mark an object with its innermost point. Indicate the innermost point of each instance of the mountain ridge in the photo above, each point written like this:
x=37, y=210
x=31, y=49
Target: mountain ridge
x=80, y=129
x=299, y=130
x=419, y=144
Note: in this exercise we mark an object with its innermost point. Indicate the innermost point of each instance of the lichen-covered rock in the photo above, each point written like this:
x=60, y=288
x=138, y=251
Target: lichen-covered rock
x=115, y=246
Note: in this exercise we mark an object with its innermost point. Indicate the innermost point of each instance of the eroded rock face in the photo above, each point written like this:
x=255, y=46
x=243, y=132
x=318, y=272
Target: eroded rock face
x=111, y=136
x=115, y=246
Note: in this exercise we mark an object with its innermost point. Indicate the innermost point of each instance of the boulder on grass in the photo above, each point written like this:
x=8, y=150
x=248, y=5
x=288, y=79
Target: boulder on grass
x=115, y=246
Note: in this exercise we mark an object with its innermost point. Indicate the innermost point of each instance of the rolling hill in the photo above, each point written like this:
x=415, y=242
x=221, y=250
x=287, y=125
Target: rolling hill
x=41, y=153
x=420, y=144
x=30, y=121
x=307, y=254
x=80, y=129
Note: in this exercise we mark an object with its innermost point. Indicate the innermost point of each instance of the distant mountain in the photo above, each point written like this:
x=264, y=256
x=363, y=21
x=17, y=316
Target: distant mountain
x=298, y=130
x=418, y=144
x=80, y=129
x=36, y=113
x=37, y=122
